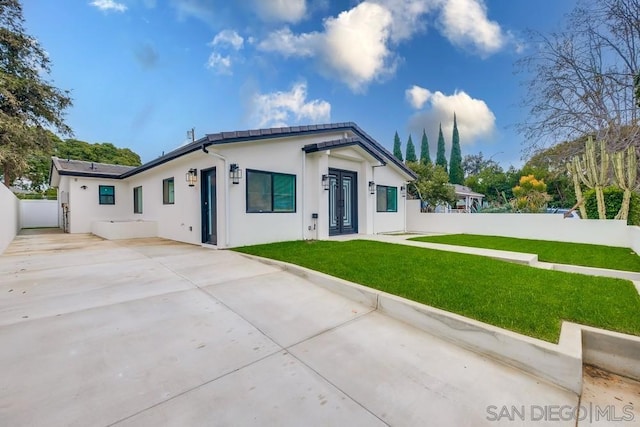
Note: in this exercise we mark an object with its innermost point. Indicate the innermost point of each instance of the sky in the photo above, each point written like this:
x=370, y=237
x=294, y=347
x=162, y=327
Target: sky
x=144, y=72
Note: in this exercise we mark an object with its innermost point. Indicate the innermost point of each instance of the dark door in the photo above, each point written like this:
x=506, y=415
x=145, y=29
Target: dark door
x=343, y=202
x=208, y=198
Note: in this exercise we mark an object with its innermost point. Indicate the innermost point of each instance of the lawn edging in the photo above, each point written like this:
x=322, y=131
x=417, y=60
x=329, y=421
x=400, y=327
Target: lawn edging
x=560, y=364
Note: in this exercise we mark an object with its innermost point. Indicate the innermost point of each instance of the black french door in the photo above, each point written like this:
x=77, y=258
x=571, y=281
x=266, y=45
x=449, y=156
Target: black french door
x=343, y=202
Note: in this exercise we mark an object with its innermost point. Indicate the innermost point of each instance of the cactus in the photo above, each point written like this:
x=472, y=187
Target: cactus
x=573, y=167
x=595, y=175
x=625, y=175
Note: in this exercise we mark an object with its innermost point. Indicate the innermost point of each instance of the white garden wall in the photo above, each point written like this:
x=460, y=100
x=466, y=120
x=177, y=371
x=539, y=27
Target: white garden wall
x=38, y=213
x=9, y=217
x=526, y=226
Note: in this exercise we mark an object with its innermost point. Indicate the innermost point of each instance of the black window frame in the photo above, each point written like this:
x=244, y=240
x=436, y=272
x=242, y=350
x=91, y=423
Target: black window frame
x=137, y=199
x=385, y=189
x=103, y=199
x=165, y=191
x=272, y=174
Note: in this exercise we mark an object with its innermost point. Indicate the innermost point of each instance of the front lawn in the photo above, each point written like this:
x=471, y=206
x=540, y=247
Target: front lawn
x=547, y=251
x=516, y=297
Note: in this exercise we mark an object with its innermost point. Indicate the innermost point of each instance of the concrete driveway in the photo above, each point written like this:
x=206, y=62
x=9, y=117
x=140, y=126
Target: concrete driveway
x=152, y=332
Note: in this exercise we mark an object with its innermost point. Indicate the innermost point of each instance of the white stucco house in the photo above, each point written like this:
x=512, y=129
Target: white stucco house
x=239, y=188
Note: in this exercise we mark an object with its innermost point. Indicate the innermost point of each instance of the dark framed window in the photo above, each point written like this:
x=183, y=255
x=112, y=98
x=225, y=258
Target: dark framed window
x=386, y=198
x=168, y=196
x=137, y=200
x=270, y=192
x=107, y=194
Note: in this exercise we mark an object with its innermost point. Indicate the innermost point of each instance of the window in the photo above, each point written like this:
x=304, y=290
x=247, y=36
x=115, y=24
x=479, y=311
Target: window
x=387, y=198
x=270, y=192
x=137, y=200
x=107, y=194
x=167, y=191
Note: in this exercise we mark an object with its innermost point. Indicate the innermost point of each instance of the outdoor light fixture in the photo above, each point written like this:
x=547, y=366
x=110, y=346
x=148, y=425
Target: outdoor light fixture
x=84, y=187
x=235, y=173
x=325, y=181
x=403, y=191
x=191, y=177
x=372, y=187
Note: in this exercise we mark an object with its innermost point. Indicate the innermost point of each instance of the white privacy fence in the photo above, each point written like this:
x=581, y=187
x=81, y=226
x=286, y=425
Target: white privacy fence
x=39, y=213
x=9, y=217
x=525, y=226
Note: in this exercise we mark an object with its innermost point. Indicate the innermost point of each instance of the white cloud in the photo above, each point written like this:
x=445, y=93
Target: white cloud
x=286, y=108
x=465, y=23
x=228, y=38
x=219, y=63
x=417, y=96
x=108, y=5
x=353, y=46
x=407, y=16
x=199, y=9
x=281, y=10
x=475, y=119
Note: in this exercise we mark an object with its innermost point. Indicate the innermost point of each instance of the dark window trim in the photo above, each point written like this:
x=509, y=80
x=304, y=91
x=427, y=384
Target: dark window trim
x=295, y=192
x=135, y=199
x=386, y=190
x=113, y=195
x=165, y=197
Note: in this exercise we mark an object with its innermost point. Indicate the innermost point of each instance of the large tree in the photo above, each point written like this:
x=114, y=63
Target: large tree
x=411, y=151
x=432, y=185
x=441, y=158
x=581, y=78
x=28, y=103
x=425, y=157
x=397, y=147
x=456, y=174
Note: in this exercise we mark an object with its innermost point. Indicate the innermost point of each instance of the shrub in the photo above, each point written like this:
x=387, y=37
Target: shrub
x=612, y=201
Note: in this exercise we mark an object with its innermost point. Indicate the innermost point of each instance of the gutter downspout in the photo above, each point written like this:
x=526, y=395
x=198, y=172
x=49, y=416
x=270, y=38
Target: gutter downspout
x=226, y=193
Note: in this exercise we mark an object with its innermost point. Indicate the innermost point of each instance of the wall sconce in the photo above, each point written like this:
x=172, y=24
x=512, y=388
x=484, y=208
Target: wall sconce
x=325, y=181
x=235, y=173
x=84, y=187
x=403, y=191
x=372, y=187
x=191, y=177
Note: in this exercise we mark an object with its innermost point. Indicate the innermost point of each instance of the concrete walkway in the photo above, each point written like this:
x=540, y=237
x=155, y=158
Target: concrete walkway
x=152, y=332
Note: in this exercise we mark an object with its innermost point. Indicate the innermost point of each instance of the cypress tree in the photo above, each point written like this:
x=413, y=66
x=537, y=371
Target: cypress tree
x=441, y=159
x=397, y=149
x=411, y=151
x=425, y=157
x=456, y=174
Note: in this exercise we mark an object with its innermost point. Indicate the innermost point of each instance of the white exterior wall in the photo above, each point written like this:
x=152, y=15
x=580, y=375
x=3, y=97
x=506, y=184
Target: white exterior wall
x=387, y=222
x=526, y=226
x=84, y=206
x=9, y=217
x=39, y=213
x=235, y=227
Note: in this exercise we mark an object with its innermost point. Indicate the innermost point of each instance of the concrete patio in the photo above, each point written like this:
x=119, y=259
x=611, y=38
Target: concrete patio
x=154, y=332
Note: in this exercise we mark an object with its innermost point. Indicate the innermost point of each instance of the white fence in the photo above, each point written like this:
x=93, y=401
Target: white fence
x=39, y=213
x=525, y=226
x=9, y=217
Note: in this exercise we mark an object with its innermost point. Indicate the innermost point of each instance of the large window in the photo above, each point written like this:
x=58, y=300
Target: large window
x=168, y=191
x=137, y=200
x=107, y=194
x=270, y=192
x=387, y=198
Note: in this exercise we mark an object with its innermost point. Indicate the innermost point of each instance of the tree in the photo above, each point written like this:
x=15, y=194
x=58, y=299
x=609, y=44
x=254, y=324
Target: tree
x=411, y=151
x=582, y=78
x=530, y=195
x=432, y=185
x=28, y=103
x=456, y=174
x=472, y=164
x=636, y=83
x=441, y=159
x=397, y=148
x=425, y=157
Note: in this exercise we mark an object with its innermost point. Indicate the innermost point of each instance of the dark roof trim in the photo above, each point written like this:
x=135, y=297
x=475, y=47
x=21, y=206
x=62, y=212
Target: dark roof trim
x=339, y=143
x=90, y=174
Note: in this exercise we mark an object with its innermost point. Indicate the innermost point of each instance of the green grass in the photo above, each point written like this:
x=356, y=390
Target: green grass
x=523, y=299
x=547, y=251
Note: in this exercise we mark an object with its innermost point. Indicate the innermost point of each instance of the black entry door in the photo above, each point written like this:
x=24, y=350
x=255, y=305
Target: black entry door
x=343, y=202
x=208, y=201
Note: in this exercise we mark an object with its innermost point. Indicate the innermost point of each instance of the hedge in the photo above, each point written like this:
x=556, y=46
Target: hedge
x=613, y=201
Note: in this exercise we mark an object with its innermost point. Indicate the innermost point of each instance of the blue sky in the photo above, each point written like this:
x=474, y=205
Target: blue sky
x=143, y=72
